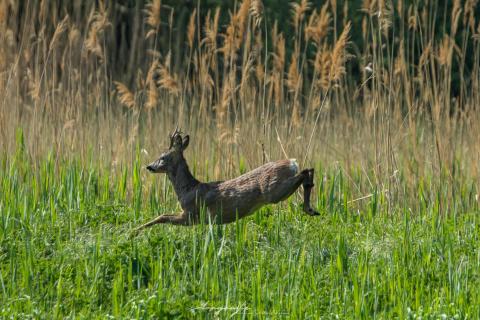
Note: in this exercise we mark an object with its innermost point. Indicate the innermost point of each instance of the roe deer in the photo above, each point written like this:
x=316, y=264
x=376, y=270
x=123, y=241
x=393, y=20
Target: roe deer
x=226, y=201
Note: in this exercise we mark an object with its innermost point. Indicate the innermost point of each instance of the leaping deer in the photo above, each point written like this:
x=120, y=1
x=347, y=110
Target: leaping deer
x=227, y=201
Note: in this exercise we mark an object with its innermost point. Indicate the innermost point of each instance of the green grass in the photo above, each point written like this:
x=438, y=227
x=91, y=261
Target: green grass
x=65, y=250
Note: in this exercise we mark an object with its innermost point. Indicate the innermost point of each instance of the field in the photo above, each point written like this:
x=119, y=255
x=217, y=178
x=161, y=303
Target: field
x=89, y=92
x=66, y=250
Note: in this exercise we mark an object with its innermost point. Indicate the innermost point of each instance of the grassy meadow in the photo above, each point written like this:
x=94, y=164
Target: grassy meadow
x=389, y=118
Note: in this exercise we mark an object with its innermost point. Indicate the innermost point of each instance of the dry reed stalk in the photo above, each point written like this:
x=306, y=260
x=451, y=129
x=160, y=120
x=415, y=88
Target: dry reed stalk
x=368, y=6
x=228, y=48
x=346, y=15
x=125, y=96
x=164, y=78
x=242, y=17
x=340, y=55
x=298, y=12
x=210, y=39
x=59, y=30
x=259, y=67
x=470, y=11
x=364, y=27
x=445, y=51
x=385, y=15
x=222, y=109
x=152, y=91
x=278, y=69
x=153, y=19
x=426, y=55
x=4, y=11
x=33, y=86
x=211, y=31
x=245, y=83
x=412, y=18
x=293, y=80
x=295, y=116
x=256, y=10
x=74, y=35
x=322, y=67
x=399, y=65
x=99, y=22
x=43, y=11
x=191, y=29
x=205, y=82
x=455, y=17
x=234, y=35
x=167, y=80
x=318, y=26
x=400, y=8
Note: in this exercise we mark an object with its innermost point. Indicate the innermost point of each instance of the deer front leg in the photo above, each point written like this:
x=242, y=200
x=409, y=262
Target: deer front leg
x=307, y=189
x=177, y=219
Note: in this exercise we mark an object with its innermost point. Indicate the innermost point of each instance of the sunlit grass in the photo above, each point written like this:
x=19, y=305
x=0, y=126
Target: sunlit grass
x=66, y=250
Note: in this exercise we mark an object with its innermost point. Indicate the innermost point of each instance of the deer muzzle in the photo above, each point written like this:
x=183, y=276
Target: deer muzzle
x=156, y=166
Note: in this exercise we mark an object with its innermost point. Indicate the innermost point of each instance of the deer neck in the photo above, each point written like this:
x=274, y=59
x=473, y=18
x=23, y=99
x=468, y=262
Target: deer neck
x=182, y=179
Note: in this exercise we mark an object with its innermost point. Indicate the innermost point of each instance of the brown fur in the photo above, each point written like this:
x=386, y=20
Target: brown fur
x=227, y=201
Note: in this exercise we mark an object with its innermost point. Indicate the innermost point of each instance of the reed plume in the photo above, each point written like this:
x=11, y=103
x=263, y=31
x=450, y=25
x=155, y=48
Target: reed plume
x=211, y=31
x=318, y=25
x=340, y=55
x=99, y=22
x=278, y=67
x=241, y=18
x=59, y=30
x=191, y=29
x=322, y=67
x=455, y=17
x=298, y=12
x=256, y=10
x=166, y=79
x=152, y=91
x=153, y=19
x=445, y=51
x=293, y=75
x=234, y=34
x=470, y=12
x=125, y=96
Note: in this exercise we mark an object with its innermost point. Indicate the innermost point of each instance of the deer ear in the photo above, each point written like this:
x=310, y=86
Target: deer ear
x=185, y=142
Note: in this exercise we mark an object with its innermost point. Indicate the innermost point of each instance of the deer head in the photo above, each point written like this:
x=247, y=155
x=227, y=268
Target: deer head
x=168, y=160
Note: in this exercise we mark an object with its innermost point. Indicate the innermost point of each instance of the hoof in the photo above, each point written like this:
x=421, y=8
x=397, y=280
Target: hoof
x=311, y=212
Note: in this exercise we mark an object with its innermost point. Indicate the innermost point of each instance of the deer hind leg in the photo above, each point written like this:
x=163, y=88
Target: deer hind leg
x=308, y=184
x=286, y=188
x=290, y=185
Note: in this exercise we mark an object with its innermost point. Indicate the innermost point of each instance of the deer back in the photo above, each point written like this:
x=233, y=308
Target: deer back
x=243, y=195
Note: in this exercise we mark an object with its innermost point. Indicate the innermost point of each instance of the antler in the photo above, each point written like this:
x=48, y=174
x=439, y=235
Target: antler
x=174, y=136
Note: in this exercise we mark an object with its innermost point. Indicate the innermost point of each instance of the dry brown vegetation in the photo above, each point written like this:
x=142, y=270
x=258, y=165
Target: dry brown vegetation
x=240, y=94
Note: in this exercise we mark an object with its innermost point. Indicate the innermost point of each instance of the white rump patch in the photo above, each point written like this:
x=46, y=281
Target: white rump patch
x=294, y=165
